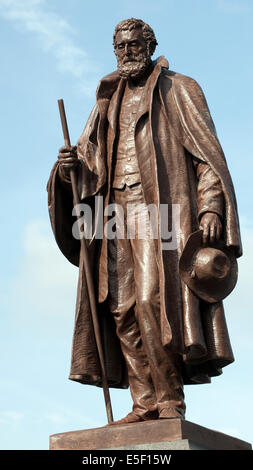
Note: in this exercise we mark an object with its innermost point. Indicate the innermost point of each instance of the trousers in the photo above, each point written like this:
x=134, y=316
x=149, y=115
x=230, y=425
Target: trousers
x=154, y=372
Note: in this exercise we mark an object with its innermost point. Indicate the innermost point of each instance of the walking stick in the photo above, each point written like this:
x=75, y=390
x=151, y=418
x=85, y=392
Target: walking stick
x=90, y=286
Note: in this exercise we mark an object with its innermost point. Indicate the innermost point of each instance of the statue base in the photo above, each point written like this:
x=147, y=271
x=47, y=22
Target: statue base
x=167, y=434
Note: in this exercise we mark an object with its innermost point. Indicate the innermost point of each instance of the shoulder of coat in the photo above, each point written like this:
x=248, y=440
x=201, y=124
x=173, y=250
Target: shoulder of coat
x=179, y=82
x=110, y=76
x=107, y=84
x=176, y=77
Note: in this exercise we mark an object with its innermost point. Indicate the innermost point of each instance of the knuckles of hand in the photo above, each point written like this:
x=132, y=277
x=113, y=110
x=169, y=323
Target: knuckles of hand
x=211, y=226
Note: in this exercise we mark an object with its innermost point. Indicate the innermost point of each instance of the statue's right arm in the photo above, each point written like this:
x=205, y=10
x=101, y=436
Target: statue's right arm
x=74, y=156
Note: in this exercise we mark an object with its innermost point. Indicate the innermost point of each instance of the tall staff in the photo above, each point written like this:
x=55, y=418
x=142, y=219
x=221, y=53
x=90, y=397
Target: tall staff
x=89, y=281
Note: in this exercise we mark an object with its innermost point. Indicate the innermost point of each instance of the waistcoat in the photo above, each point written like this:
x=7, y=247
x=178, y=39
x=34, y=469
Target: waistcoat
x=126, y=168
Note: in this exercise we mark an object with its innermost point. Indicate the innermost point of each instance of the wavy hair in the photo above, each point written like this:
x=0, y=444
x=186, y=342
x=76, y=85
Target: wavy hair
x=133, y=23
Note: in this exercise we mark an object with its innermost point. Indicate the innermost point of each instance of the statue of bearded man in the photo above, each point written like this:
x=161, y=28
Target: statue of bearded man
x=150, y=140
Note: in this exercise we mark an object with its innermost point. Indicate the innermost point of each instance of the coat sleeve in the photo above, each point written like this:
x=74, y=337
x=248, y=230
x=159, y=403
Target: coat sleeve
x=92, y=173
x=210, y=196
x=197, y=134
x=91, y=177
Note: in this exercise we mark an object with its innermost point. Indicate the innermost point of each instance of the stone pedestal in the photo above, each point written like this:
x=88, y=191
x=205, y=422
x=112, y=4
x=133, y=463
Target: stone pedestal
x=167, y=434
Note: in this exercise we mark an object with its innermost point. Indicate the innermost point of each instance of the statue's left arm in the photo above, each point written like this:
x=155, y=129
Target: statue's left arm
x=197, y=133
x=210, y=201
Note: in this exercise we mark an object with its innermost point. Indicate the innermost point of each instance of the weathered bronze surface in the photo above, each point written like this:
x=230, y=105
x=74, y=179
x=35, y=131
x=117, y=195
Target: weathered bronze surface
x=150, y=139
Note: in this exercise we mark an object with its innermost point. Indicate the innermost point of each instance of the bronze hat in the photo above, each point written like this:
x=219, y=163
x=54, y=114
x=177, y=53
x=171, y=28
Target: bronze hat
x=209, y=271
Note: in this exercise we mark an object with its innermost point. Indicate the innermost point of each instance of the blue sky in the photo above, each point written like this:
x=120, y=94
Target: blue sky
x=60, y=49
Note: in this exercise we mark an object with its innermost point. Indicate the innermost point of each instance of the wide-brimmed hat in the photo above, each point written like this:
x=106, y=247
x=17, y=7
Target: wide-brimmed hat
x=209, y=271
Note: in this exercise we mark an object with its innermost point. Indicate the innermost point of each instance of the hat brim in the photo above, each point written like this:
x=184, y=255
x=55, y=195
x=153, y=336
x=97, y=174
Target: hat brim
x=214, y=290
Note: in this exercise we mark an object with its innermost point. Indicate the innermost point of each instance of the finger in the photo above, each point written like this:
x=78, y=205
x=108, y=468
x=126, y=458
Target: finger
x=218, y=231
x=212, y=233
x=67, y=157
x=201, y=227
x=69, y=163
x=64, y=156
x=66, y=149
x=205, y=235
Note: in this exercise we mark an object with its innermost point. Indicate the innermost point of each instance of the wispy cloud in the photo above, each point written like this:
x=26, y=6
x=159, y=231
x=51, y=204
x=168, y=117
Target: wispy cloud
x=11, y=418
x=232, y=6
x=66, y=417
x=44, y=284
x=55, y=36
x=12, y=415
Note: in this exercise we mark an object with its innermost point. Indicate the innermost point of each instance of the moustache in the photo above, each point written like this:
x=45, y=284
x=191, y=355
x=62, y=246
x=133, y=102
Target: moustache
x=125, y=61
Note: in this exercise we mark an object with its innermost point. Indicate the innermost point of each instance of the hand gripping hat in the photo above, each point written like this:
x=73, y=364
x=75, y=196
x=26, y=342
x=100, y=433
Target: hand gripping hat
x=209, y=271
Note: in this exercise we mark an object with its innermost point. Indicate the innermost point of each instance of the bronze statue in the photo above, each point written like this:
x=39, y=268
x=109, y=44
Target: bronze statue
x=150, y=140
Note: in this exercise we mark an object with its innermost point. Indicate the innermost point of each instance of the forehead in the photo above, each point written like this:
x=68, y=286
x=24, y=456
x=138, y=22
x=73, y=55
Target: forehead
x=123, y=36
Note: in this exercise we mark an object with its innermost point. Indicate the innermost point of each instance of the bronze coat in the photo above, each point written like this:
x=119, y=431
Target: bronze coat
x=174, y=128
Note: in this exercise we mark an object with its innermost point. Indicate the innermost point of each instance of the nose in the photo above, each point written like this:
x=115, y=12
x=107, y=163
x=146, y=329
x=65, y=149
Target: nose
x=127, y=49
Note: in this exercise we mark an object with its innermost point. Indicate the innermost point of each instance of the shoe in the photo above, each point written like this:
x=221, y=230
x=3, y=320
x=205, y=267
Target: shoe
x=170, y=413
x=134, y=418
x=130, y=418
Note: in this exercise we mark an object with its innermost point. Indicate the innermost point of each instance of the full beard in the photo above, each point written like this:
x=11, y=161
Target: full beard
x=134, y=68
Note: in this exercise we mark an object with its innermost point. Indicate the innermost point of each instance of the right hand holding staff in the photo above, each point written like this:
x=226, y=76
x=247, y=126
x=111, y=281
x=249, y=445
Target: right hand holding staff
x=68, y=158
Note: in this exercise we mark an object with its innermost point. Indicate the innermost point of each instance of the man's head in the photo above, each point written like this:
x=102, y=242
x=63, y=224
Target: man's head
x=134, y=44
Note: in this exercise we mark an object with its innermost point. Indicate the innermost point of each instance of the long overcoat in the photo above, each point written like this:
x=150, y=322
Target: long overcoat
x=174, y=133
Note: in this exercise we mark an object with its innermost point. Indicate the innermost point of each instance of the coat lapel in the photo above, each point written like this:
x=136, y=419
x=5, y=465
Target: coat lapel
x=148, y=90
x=110, y=90
x=114, y=106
